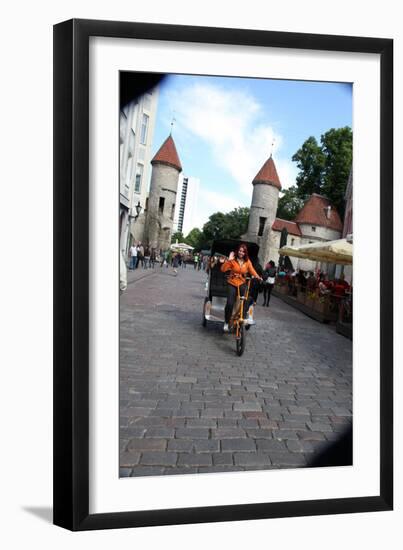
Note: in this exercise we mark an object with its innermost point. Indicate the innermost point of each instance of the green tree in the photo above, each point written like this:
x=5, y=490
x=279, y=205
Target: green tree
x=311, y=163
x=337, y=147
x=177, y=236
x=324, y=168
x=194, y=238
x=227, y=226
x=289, y=204
x=237, y=222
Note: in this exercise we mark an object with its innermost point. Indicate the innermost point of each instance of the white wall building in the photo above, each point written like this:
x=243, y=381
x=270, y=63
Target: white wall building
x=186, y=208
x=137, y=121
x=316, y=221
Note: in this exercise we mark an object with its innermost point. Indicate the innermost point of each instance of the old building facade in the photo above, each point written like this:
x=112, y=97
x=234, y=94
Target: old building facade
x=317, y=221
x=162, y=198
x=137, y=121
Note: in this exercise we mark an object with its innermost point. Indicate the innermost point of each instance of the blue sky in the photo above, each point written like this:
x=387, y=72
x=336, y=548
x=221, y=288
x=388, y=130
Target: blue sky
x=225, y=127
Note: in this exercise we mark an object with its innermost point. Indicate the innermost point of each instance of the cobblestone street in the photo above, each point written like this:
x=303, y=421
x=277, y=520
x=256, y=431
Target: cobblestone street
x=188, y=404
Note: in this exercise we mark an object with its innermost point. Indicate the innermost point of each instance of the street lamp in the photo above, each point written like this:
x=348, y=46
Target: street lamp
x=132, y=219
x=138, y=208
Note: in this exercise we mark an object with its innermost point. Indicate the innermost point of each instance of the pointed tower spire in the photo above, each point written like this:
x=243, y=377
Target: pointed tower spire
x=268, y=174
x=167, y=154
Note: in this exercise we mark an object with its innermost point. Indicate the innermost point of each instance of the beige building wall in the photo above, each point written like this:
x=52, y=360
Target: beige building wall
x=137, y=122
x=293, y=240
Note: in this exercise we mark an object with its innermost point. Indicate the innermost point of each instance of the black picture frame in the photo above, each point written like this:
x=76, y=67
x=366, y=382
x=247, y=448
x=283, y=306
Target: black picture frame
x=71, y=274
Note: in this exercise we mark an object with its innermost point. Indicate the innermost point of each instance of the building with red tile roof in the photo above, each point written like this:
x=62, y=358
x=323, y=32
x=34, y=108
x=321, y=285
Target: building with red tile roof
x=316, y=221
x=292, y=227
x=318, y=211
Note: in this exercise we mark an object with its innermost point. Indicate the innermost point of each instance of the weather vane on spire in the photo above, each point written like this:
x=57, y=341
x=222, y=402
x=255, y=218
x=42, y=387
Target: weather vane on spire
x=173, y=121
x=272, y=146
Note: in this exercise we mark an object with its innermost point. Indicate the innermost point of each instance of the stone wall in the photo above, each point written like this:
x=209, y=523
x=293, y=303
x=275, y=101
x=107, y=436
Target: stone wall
x=264, y=204
x=164, y=184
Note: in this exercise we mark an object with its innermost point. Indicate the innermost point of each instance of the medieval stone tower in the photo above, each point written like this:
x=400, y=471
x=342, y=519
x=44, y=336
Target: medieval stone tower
x=166, y=168
x=263, y=209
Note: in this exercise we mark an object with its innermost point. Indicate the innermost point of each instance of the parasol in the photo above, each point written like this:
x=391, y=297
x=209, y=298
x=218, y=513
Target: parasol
x=336, y=252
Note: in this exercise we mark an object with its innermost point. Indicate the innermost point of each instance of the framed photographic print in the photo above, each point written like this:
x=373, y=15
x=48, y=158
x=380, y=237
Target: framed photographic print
x=223, y=266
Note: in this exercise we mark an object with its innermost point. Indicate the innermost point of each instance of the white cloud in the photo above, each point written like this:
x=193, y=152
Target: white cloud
x=232, y=125
x=212, y=201
x=287, y=172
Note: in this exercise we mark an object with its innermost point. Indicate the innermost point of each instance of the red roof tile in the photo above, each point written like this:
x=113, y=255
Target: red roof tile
x=292, y=227
x=167, y=154
x=314, y=212
x=268, y=174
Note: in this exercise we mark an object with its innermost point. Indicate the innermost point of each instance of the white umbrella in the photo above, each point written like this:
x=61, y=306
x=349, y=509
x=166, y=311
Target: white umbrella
x=336, y=252
x=181, y=246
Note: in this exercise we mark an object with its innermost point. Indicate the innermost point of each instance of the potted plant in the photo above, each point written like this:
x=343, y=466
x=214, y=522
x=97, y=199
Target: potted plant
x=310, y=299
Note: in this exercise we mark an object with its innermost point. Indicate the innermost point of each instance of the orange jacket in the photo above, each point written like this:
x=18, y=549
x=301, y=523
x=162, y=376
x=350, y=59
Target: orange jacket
x=237, y=272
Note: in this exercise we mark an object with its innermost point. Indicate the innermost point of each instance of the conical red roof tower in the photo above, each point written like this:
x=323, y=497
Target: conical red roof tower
x=268, y=174
x=167, y=154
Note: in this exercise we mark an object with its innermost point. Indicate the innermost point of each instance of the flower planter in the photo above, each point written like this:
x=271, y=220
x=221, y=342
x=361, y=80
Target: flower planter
x=310, y=302
x=321, y=306
x=301, y=297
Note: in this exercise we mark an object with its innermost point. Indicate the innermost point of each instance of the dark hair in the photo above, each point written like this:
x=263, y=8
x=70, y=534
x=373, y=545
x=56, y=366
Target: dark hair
x=272, y=264
x=242, y=245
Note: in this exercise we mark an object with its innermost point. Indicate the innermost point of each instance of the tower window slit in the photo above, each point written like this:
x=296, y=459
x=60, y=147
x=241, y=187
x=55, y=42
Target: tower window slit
x=262, y=223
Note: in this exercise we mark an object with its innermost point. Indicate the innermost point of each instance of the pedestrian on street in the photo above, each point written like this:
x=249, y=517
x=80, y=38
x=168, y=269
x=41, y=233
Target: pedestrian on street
x=175, y=263
x=140, y=255
x=269, y=278
x=122, y=274
x=195, y=260
x=153, y=258
x=133, y=257
x=256, y=285
x=147, y=254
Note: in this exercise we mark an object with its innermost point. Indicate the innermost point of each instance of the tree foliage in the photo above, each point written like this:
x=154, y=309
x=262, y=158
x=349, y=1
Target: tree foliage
x=177, y=237
x=311, y=163
x=220, y=226
x=289, y=204
x=323, y=168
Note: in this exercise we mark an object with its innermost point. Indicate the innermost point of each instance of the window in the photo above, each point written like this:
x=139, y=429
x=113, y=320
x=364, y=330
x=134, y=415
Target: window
x=146, y=206
x=161, y=205
x=144, y=128
x=139, y=177
x=262, y=222
x=292, y=242
x=313, y=228
x=147, y=101
x=172, y=212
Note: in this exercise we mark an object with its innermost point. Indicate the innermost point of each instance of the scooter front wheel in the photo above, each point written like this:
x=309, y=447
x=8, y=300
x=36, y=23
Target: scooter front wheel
x=240, y=340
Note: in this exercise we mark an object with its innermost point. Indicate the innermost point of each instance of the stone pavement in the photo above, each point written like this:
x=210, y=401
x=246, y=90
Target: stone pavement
x=189, y=404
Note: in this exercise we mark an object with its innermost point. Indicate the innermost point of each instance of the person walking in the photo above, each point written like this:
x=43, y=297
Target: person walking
x=147, y=254
x=153, y=258
x=133, y=257
x=140, y=255
x=175, y=263
x=269, y=278
x=122, y=274
x=196, y=260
